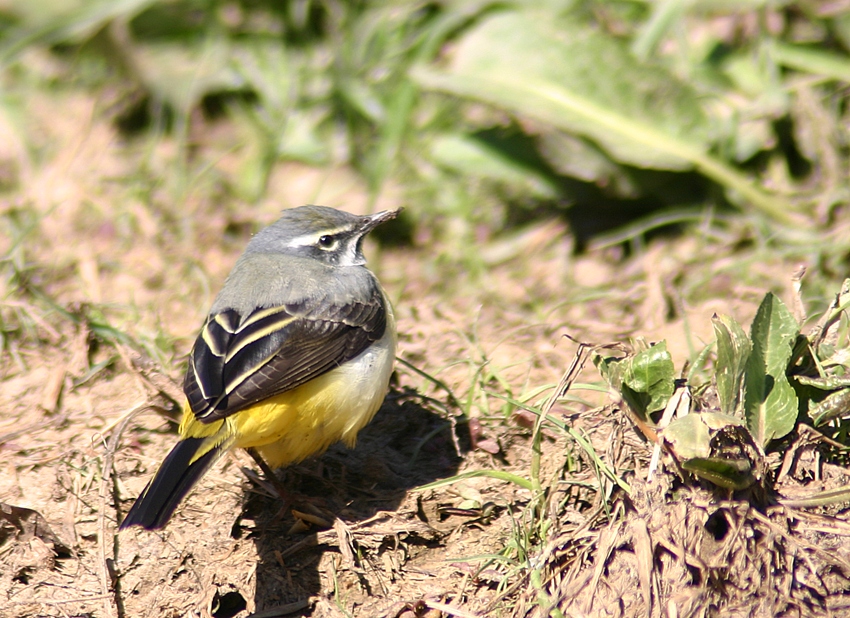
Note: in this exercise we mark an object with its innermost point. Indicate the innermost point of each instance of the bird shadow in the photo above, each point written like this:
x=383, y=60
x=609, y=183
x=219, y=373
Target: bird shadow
x=410, y=442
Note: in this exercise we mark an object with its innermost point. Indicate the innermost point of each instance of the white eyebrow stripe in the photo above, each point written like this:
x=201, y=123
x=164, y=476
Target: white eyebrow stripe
x=304, y=240
x=313, y=237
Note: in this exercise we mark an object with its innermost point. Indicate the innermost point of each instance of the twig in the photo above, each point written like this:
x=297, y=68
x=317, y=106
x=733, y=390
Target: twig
x=346, y=543
x=679, y=405
x=825, y=555
x=94, y=597
x=107, y=589
x=570, y=375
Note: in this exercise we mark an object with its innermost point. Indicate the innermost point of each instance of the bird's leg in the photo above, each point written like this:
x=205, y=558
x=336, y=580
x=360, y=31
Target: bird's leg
x=314, y=514
x=271, y=477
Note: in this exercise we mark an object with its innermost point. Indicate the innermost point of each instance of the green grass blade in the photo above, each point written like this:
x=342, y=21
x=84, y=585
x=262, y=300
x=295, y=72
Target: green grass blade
x=583, y=442
x=493, y=474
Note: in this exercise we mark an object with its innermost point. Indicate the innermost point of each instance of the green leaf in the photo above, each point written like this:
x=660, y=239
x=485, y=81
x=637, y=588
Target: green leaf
x=770, y=403
x=610, y=368
x=645, y=379
x=493, y=474
x=727, y=473
x=733, y=351
x=181, y=74
x=814, y=60
x=828, y=383
x=515, y=58
x=579, y=80
x=689, y=436
x=47, y=22
x=649, y=377
x=474, y=157
x=834, y=405
x=577, y=157
x=714, y=447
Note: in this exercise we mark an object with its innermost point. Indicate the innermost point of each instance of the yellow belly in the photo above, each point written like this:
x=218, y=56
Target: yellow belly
x=305, y=421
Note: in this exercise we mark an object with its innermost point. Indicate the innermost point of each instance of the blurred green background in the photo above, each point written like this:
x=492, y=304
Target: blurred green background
x=483, y=113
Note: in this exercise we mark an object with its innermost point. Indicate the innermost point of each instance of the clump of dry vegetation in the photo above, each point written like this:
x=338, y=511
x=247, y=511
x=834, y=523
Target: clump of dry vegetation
x=739, y=507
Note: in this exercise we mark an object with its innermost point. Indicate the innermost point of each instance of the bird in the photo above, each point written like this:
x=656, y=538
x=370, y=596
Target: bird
x=296, y=354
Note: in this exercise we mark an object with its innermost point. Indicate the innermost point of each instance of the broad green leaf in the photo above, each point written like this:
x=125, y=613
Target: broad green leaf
x=715, y=447
x=581, y=80
x=471, y=156
x=733, y=351
x=577, y=79
x=689, y=437
x=648, y=379
x=770, y=403
x=645, y=379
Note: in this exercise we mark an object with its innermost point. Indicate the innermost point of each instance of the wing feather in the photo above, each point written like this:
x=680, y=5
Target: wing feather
x=238, y=360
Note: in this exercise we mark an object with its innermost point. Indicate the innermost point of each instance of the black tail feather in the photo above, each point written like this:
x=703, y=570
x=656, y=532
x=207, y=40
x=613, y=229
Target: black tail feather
x=174, y=479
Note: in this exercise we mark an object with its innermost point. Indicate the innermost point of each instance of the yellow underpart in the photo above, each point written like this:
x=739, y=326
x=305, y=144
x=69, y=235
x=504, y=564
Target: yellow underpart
x=306, y=420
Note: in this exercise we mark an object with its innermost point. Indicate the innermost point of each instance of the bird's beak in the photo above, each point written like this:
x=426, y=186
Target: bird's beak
x=373, y=221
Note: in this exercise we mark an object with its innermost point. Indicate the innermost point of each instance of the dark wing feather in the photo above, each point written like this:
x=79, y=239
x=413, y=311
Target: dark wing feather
x=240, y=360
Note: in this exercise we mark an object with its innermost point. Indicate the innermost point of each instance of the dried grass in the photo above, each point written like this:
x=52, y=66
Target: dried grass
x=150, y=258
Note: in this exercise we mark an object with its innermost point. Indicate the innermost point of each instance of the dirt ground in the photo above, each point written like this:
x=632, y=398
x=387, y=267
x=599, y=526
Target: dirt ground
x=85, y=418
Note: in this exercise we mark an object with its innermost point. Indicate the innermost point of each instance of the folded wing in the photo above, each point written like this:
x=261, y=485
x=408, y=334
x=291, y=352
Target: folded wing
x=238, y=359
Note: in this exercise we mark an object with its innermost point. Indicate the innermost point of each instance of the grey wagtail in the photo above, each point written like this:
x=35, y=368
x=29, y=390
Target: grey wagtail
x=295, y=355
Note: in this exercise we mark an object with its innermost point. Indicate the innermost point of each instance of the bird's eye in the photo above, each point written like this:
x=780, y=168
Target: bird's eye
x=327, y=241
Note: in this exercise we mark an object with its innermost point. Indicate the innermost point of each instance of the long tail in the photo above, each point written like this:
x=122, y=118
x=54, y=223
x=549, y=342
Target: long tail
x=176, y=476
